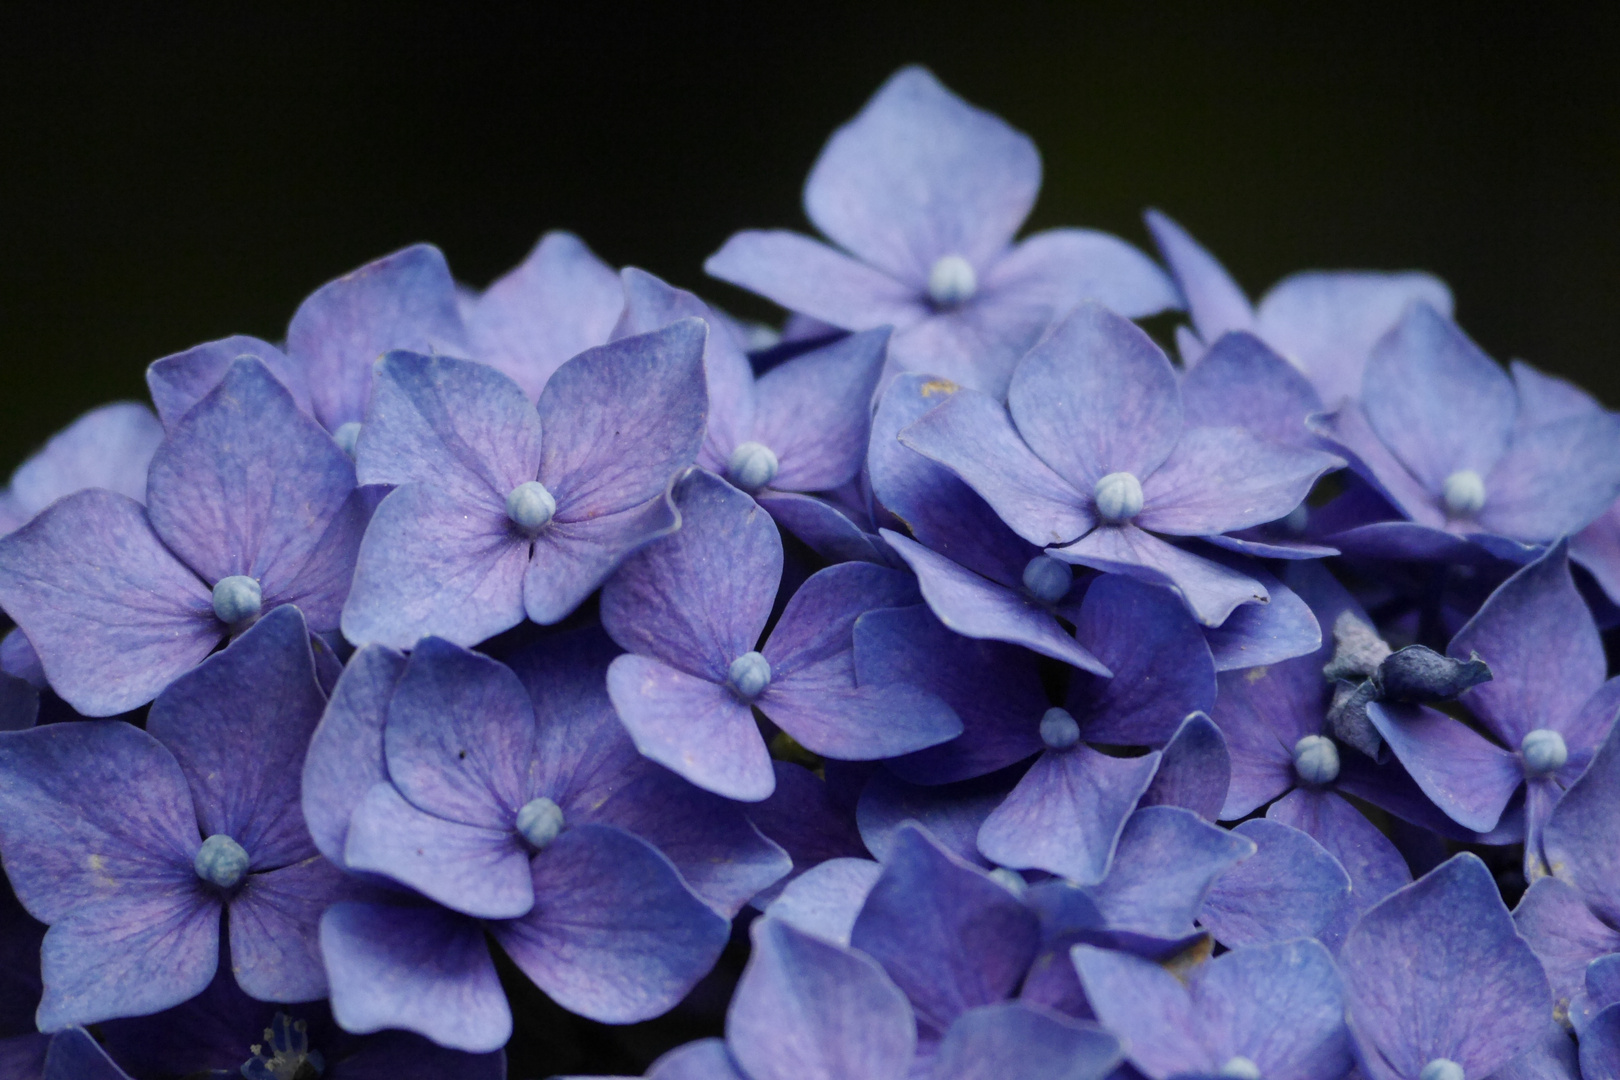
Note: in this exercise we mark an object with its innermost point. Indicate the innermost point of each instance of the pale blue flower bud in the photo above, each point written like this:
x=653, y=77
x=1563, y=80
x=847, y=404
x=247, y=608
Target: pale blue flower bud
x=530, y=506
x=1239, y=1067
x=1048, y=579
x=1316, y=759
x=750, y=674
x=752, y=466
x=237, y=599
x=346, y=436
x=1441, y=1069
x=1059, y=729
x=540, y=821
x=1544, y=752
x=1119, y=497
x=221, y=861
x=951, y=281
x=1463, y=493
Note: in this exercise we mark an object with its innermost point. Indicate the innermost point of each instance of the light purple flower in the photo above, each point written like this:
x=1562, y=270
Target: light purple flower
x=925, y=193
x=799, y=429
x=1091, y=457
x=1436, y=973
x=691, y=607
x=249, y=506
x=108, y=447
x=1291, y=887
x=503, y=511
x=1275, y=1011
x=807, y=1009
x=558, y=302
x=630, y=893
x=131, y=844
x=1436, y=432
x=1325, y=323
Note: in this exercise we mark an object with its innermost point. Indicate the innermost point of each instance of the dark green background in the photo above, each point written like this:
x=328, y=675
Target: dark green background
x=176, y=175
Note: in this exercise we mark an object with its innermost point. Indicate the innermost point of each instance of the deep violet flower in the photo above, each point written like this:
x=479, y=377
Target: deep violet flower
x=1436, y=973
x=1547, y=708
x=618, y=932
x=1091, y=456
x=1435, y=432
x=800, y=428
x=806, y=1009
x=1572, y=916
x=1066, y=813
x=109, y=447
x=1325, y=323
x=503, y=511
x=22, y=1046
x=925, y=193
x=249, y=506
x=1262, y=1011
x=225, y=1030
x=130, y=844
x=691, y=608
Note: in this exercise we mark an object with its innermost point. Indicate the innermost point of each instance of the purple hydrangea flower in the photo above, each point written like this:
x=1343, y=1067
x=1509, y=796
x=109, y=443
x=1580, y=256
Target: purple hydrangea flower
x=1291, y=887
x=558, y=302
x=925, y=193
x=1547, y=708
x=619, y=928
x=406, y=301
x=130, y=844
x=249, y=506
x=978, y=577
x=1436, y=973
x=1091, y=457
x=109, y=447
x=1065, y=814
x=951, y=937
x=502, y=510
x=1266, y=1010
x=806, y=1009
x=800, y=428
x=1325, y=323
x=691, y=607
x=1572, y=916
x=1435, y=432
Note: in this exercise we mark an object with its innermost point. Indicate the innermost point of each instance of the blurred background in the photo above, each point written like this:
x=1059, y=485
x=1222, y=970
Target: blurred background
x=175, y=175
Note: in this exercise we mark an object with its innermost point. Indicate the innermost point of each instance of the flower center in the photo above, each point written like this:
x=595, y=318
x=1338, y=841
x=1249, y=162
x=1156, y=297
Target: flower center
x=346, y=436
x=1119, y=497
x=1441, y=1069
x=1544, y=752
x=1316, y=759
x=221, y=861
x=750, y=674
x=1464, y=496
x=1240, y=1068
x=1059, y=729
x=540, y=822
x=1048, y=579
x=530, y=506
x=237, y=599
x=951, y=281
x=752, y=466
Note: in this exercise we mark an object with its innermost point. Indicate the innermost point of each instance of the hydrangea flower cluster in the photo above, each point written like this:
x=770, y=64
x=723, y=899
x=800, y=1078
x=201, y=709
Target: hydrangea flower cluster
x=948, y=685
